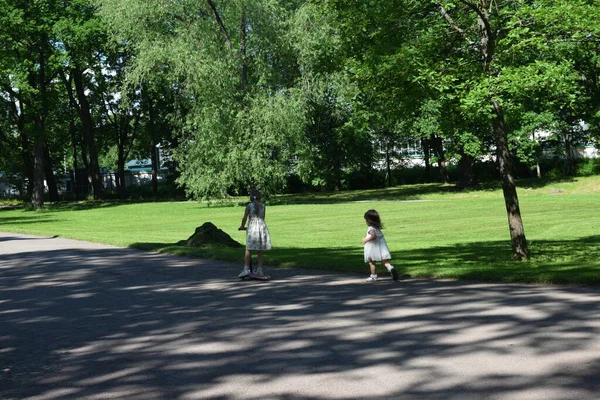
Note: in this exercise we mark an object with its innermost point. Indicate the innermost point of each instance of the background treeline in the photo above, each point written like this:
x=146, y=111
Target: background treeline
x=294, y=95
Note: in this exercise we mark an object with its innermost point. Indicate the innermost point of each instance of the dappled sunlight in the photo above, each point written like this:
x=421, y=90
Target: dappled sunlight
x=120, y=323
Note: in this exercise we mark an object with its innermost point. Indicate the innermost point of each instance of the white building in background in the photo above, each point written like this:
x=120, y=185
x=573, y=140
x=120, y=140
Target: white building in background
x=411, y=151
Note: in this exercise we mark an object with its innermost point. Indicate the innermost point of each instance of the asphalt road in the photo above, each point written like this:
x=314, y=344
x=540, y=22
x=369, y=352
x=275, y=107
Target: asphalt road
x=88, y=321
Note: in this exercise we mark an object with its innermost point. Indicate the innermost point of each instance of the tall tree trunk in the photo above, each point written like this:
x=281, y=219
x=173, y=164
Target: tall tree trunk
x=154, y=159
x=538, y=169
x=39, y=80
x=505, y=162
x=75, y=179
x=388, y=163
x=509, y=189
x=76, y=186
x=438, y=149
x=18, y=113
x=465, y=168
x=121, y=187
x=88, y=128
x=427, y=158
x=37, y=197
x=569, y=162
x=149, y=101
x=49, y=173
x=86, y=167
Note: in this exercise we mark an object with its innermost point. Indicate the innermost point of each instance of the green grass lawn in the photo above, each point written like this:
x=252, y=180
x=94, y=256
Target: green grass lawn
x=432, y=230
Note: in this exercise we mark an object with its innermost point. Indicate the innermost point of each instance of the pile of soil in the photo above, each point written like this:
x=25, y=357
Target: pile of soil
x=208, y=235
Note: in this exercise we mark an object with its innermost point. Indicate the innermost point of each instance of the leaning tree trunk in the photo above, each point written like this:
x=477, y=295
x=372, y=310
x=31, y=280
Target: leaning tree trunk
x=505, y=165
x=481, y=9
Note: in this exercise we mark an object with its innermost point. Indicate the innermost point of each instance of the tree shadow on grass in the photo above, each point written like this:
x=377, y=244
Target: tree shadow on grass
x=403, y=192
x=24, y=220
x=118, y=323
x=552, y=261
x=574, y=261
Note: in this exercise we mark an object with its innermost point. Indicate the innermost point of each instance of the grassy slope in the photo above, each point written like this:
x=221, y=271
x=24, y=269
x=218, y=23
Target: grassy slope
x=439, y=233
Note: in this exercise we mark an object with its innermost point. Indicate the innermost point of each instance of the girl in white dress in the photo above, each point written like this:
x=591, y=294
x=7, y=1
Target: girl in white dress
x=376, y=248
x=257, y=233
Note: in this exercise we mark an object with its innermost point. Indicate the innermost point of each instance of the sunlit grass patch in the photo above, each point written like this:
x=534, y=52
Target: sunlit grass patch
x=439, y=232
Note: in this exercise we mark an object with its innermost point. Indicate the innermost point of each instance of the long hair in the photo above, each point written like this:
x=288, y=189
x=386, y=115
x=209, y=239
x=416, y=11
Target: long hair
x=372, y=218
x=256, y=197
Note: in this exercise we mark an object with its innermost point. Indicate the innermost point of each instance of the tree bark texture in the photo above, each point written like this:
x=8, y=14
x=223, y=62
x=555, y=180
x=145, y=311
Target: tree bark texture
x=88, y=128
x=38, y=80
x=74, y=180
x=504, y=157
x=509, y=189
x=17, y=109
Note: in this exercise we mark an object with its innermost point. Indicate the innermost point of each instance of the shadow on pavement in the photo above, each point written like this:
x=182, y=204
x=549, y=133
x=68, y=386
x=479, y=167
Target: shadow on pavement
x=556, y=261
x=119, y=323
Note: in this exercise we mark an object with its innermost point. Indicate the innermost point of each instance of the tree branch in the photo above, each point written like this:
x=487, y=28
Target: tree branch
x=455, y=26
x=484, y=18
x=212, y=6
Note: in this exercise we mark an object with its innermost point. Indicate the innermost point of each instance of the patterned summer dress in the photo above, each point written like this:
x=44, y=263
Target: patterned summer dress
x=376, y=250
x=257, y=234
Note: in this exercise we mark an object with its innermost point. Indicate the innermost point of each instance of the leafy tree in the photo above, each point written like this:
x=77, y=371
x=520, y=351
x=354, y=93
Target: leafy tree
x=229, y=63
x=27, y=73
x=83, y=38
x=336, y=142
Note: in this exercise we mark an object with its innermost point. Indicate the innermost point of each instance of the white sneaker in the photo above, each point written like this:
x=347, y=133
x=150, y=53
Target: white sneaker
x=259, y=272
x=372, y=278
x=244, y=273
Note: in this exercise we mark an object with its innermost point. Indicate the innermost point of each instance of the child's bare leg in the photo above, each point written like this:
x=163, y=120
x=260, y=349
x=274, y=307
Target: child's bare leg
x=260, y=258
x=247, y=261
x=248, y=258
x=373, y=269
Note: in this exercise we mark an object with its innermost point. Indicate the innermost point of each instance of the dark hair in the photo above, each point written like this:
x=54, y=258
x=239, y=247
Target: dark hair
x=255, y=196
x=372, y=218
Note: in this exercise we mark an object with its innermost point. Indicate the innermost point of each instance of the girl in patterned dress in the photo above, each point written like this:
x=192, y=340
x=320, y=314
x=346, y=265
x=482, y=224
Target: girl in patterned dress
x=376, y=248
x=257, y=233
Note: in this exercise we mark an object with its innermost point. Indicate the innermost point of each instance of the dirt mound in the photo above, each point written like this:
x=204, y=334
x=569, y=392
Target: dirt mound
x=208, y=235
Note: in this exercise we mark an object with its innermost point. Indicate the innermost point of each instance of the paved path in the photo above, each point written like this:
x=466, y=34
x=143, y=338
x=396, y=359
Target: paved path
x=87, y=321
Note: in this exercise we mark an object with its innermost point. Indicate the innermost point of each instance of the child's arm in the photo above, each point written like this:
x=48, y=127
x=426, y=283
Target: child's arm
x=372, y=236
x=243, y=224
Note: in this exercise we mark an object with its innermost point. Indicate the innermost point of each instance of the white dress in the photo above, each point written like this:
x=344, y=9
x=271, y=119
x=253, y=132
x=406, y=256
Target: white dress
x=257, y=234
x=376, y=250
